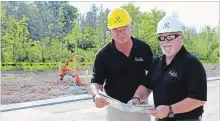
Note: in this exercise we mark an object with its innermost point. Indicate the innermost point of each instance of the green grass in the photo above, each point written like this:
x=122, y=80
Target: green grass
x=35, y=66
x=54, y=66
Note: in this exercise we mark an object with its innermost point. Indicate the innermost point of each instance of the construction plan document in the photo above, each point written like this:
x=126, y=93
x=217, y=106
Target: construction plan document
x=143, y=108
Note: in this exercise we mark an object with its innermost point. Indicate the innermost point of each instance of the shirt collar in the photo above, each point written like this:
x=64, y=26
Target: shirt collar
x=176, y=58
x=133, y=40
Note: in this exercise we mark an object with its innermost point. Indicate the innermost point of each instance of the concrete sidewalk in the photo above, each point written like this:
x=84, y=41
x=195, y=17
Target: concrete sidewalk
x=91, y=113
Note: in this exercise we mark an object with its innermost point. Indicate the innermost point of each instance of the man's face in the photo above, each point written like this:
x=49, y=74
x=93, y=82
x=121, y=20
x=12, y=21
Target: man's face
x=170, y=42
x=122, y=35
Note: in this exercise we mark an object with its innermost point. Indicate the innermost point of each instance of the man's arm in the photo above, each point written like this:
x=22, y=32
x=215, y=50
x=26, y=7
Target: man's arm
x=142, y=93
x=144, y=89
x=99, y=102
x=94, y=87
x=186, y=105
x=97, y=80
x=98, y=76
x=196, y=85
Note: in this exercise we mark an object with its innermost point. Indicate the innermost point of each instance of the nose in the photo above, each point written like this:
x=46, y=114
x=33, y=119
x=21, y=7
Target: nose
x=121, y=33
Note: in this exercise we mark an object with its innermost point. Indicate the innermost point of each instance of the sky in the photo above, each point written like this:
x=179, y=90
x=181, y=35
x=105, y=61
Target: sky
x=196, y=14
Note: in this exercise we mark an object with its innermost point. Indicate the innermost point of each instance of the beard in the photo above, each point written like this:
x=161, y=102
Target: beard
x=168, y=49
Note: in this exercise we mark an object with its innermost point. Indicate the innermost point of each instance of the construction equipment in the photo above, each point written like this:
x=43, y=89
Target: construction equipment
x=71, y=72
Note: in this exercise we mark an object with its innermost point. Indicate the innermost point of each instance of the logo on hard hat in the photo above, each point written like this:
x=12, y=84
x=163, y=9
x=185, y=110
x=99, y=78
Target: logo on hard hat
x=117, y=19
x=166, y=25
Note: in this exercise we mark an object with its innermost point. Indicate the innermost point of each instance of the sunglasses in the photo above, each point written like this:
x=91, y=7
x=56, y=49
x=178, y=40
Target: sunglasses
x=168, y=37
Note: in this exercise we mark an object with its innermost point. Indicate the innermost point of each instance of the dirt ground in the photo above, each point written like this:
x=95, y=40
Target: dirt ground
x=20, y=86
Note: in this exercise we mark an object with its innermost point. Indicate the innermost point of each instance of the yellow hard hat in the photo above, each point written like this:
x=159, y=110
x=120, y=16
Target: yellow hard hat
x=118, y=17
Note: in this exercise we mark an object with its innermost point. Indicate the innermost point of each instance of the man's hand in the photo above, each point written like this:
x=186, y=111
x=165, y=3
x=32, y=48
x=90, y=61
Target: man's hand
x=99, y=102
x=161, y=112
x=134, y=101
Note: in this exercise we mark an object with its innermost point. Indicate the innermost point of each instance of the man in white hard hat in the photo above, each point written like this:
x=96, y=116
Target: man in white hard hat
x=119, y=68
x=177, y=78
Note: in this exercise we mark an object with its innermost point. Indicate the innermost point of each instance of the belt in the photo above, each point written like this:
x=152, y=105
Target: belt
x=171, y=119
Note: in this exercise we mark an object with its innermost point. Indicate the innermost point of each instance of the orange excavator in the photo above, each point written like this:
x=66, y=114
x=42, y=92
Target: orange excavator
x=65, y=70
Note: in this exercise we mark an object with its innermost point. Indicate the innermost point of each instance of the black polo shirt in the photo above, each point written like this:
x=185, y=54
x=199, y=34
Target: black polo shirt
x=183, y=77
x=121, y=74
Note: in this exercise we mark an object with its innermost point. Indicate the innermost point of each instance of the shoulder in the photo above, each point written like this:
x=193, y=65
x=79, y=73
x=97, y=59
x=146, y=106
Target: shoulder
x=142, y=47
x=156, y=59
x=103, y=51
x=141, y=43
x=192, y=62
x=100, y=56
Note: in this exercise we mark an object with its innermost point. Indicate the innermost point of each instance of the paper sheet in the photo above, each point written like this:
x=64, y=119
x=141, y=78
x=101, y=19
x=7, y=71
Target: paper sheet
x=125, y=107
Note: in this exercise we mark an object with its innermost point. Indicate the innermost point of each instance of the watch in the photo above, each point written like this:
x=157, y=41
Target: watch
x=137, y=98
x=170, y=114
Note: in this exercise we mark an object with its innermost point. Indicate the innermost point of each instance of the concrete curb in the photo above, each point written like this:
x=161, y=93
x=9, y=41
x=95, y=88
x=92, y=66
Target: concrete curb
x=65, y=99
x=60, y=100
x=213, y=78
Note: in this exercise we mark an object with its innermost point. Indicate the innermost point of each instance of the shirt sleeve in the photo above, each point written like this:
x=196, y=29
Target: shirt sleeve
x=149, y=59
x=196, y=80
x=98, y=75
x=147, y=64
x=147, y=81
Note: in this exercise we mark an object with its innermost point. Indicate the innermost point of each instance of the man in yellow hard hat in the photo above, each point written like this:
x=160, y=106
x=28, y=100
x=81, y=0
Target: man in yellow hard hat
x=120, y=67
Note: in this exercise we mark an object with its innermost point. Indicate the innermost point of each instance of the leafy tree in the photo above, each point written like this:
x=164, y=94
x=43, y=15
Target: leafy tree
x=52, y=31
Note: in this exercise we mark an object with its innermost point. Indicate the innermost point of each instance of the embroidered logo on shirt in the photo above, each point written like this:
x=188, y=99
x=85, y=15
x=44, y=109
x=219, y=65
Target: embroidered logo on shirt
x=138, y=59
x=174, y=74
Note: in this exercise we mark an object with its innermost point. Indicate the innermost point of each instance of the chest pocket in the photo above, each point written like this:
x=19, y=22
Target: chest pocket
x=139, y=66
x=116, y=67
x=172, y=79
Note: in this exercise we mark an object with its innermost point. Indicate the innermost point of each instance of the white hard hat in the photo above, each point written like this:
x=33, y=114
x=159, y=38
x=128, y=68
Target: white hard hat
x=169, y=24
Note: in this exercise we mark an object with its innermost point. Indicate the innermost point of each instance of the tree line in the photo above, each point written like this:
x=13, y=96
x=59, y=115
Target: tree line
x=52, y=31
